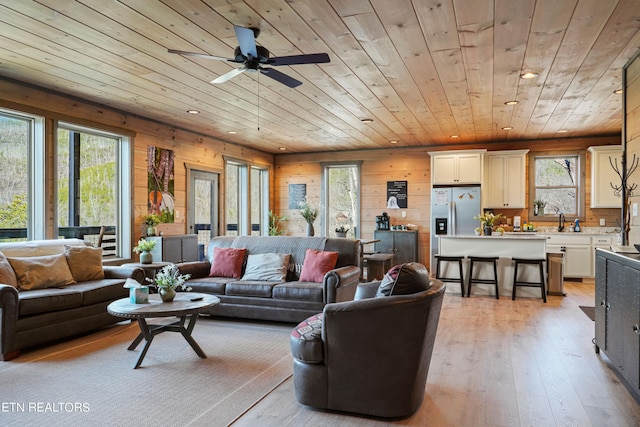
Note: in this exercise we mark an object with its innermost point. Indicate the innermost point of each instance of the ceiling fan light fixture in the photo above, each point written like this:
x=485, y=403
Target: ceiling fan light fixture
x=529, y=75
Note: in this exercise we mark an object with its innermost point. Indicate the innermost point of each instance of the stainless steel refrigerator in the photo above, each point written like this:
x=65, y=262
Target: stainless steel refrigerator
x=452, y=212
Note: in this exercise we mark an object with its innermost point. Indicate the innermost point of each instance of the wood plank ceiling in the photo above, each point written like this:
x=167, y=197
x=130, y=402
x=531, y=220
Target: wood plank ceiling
x=428, y=72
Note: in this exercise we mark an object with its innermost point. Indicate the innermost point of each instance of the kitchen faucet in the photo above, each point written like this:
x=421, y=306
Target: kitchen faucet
x=561, y=222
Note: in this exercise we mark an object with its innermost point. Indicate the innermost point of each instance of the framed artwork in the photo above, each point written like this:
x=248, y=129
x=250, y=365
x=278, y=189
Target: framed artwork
x=297, y=194
x=396, y=194
x=160, y=182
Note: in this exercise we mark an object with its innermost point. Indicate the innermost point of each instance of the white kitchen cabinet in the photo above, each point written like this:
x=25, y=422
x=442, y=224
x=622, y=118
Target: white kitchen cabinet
x=578, y=259
x=603, y=175
x=456, y=167
x=505, y=179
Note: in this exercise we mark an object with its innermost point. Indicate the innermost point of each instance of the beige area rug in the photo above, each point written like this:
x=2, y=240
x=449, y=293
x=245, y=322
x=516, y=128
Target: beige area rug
x=90, y=381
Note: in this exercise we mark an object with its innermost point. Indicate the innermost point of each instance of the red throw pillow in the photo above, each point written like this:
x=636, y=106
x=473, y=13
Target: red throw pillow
x=227, y=262
x=317, y=264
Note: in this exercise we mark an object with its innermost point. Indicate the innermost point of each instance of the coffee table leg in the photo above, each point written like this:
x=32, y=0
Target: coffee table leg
x=186, y=333
x=148, y=337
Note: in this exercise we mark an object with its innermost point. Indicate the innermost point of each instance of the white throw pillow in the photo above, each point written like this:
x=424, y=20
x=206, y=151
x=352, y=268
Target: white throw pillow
x=269, y=266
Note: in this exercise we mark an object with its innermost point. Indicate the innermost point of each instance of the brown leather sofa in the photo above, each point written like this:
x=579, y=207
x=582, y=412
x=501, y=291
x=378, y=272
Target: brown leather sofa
x=289, y=300
x=34, y=317
x=369, y=356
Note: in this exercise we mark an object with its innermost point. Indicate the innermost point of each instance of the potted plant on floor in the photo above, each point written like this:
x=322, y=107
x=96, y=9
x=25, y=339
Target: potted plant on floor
x=168, y=279
x=144, y=248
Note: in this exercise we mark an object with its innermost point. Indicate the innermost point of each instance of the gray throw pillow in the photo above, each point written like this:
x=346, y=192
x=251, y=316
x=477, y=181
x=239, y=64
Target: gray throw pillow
x=270, y=266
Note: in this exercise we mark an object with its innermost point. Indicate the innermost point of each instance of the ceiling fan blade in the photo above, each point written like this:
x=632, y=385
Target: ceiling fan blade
x=247, y=41
x=200, y=55
x=226, y=76
x=280, y=77
x=312, y=58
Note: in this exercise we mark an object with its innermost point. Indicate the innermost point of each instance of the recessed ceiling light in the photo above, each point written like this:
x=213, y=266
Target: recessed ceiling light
x=528, y=75
x=617, y=91
x=366, y=120
x=507, y=128
x=232, y=132
x=193, y=111
x=514, y=102
x=283, y=148
x=393, y=142
x=455, y=136
x=563, y=131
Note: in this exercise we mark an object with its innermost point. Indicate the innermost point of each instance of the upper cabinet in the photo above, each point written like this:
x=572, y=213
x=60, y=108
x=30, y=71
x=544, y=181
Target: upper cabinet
x=603, y=175
x=505, y=174
x=456, y=167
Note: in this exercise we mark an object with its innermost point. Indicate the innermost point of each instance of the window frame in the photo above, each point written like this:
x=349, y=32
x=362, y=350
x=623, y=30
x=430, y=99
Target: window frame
x=124, y=184
x=580, y=190
x=244, y=195
x=323, y=195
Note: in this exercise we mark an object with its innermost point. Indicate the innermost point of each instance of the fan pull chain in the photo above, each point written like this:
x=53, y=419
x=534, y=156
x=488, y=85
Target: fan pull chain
x=258, y=100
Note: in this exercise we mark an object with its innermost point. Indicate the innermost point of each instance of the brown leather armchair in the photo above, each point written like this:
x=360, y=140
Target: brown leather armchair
x=371, y=355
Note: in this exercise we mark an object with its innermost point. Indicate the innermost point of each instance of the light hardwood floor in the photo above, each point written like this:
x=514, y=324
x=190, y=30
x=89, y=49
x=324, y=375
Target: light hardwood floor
x=497, y=363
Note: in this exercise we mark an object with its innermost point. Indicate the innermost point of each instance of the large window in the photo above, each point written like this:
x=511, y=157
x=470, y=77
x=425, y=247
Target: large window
x=22, y=176
x=92, y=185
x=558, y=184
x=341, y=198
x=247, y=199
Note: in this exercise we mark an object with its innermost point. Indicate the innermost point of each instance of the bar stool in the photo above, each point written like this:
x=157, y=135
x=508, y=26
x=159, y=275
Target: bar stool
x=457, y=259
x=479, y=259
x=540, y=284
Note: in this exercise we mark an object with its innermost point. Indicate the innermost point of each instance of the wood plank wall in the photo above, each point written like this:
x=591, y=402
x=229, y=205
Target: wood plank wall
x=190, y=148
x=414, y=166
x=632, y=97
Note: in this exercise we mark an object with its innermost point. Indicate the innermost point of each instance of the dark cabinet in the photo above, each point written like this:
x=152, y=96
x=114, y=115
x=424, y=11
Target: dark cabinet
x=175, y=248
x=402, y=244
x=617, y=303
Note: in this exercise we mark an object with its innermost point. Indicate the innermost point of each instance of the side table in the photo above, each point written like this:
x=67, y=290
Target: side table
x=150, y=270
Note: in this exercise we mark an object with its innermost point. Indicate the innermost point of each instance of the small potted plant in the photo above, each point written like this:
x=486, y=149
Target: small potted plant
x=487, y=220
x=167, y=280
x=478, y=231
x=151, y=221
x=499, y=231
x=144, y=248
x=341, y=231
x=309, y=213
x=538, y=207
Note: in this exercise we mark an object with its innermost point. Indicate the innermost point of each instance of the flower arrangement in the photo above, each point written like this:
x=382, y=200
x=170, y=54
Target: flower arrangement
x=170, y=278
x=308, y=212
x=539, y=203
x=487, y=219
x=144, y=246
x=151, y=220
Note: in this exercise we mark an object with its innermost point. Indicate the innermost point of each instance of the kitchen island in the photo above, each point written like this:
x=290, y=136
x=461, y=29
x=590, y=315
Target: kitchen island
x=505, y=247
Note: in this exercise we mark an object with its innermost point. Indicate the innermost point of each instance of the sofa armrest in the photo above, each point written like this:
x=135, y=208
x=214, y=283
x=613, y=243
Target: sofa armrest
x=197, y=269
x=340, y=284
x=119, y=272
x=9, y=318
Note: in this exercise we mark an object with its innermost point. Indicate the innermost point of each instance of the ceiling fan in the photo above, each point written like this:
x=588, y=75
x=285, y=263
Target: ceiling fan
x=253, y=57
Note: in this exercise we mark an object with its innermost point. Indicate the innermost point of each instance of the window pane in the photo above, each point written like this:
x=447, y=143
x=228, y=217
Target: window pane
x=556, y=184
x=87, y=184
x=14, y=157
x=259, y=204
x=232, y=185
x=342, y=199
